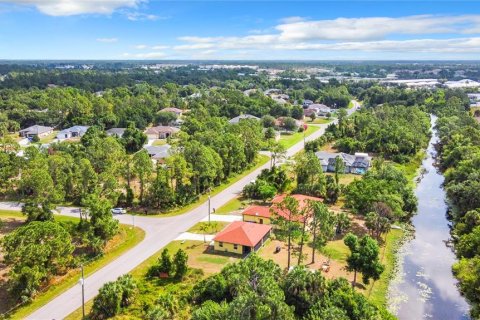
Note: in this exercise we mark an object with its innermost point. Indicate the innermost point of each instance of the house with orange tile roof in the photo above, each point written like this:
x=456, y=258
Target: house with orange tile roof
x=302, y=199
x=257, y=214
x=241, y=237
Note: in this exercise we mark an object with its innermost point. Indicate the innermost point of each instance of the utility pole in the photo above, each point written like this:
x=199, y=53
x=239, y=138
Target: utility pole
x=82, y=283
x=209, y=210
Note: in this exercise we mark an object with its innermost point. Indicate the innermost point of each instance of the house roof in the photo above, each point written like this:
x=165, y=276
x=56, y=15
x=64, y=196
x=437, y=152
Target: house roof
x=75, y=129
x=257, y=211
x=158, y=152
x=36, y=129
x=115, y=131
x=302, y=203
x=174, y=110
x=242, y=117
x=243, y=233
x=162, y=129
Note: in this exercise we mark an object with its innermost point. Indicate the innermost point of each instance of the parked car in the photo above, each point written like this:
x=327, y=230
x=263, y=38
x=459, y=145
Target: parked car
x=119, y=211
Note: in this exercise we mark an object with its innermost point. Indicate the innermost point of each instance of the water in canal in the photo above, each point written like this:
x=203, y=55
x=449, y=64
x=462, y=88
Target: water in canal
x=425, y=287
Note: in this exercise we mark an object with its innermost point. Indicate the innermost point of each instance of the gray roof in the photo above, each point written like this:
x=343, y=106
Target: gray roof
x=158, y=152
x=242, y=117
x=36, y=129
x=76, y=129
x=115, y=131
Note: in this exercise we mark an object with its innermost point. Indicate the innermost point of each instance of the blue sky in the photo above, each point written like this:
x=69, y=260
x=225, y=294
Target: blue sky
x=153, y=29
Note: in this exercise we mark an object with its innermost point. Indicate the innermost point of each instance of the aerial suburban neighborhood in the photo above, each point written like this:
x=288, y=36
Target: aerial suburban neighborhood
x=257, y=160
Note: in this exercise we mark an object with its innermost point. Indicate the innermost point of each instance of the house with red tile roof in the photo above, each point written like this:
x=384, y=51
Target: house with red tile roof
x=302, y=199
x=241, y=237
x=257, y=214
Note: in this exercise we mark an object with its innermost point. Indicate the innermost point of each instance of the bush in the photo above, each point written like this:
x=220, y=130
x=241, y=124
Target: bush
x=114, y=296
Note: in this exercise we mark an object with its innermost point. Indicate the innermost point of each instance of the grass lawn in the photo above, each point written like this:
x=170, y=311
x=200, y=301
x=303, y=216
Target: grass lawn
x=159, y=142
x=350, y=105
x=346, y=178
x=215, y=226
x=410, y=169
x=237, y=204
x=261, y=160
x=288, y=140
x=318, y=120
x=49, y=138
x=377, y=291
x=336, y=250
x=126, y=239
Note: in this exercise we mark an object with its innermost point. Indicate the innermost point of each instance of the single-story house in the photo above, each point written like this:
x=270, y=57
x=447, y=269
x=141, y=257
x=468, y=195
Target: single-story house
x=177, y=111
x=321, y=110
x=306, y=103
x=161, y=132
x=302, y=199
x=279, y=122
x=115, y=132
x=241, y=237
x=75, y=131
x=36, y=130
x=357, y=164
x=158, y=153
x=257, y=214
x=242, y=117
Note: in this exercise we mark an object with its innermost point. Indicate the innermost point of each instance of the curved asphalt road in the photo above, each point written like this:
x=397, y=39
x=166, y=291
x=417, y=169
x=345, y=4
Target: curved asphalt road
x=158, y=233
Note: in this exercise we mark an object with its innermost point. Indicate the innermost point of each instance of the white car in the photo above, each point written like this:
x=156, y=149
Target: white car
x=119, y=211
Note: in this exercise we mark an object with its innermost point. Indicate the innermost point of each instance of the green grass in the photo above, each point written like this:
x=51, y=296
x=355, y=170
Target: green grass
x=129, y=237
x=214, y=227
x=410, y=169
x=49, y=138
x=350, y=105
x=261, y=160
x=336, y=250
x=288, y=140
x=377, y=291
x=11, y=214
x=213, y=259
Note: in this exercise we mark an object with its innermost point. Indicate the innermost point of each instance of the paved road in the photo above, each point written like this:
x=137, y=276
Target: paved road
x=158, y=233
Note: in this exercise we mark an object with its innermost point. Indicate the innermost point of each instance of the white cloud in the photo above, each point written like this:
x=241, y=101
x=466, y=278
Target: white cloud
x=160, y=47
x=141, y=46
x=138, y=16
x=147, y=55
x=416, y=34
x=107, y=40
x=75, y=7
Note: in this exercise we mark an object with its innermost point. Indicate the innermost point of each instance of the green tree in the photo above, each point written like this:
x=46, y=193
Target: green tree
x=34, y=253
x=143, y=168
x=133, y=139
x=180, y=261
x=363, y=258
x=322, y=226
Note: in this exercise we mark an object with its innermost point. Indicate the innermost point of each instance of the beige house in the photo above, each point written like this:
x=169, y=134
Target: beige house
x=161, y=132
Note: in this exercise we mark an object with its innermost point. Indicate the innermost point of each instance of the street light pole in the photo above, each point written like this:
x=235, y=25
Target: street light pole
x=82, y=282
x=208, y=209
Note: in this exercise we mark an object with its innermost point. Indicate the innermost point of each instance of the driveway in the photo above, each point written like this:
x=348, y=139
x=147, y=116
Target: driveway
x=158, y=233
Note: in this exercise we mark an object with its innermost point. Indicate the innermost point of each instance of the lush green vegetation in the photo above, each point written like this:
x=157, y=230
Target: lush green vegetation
x=459, y=149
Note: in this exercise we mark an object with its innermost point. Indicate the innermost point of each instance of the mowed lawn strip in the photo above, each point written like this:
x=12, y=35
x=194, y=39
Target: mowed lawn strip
x=126, y=239
x=289, y=140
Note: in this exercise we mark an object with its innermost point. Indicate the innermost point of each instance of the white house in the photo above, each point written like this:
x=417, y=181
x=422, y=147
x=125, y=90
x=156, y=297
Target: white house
x=72, y=132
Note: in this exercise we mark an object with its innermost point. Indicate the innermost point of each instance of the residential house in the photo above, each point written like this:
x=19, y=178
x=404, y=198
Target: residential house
x=321, y=110
x=257, y=214
x=303, y=202
x=158, y=153
x=36, y=130
x=242, y=117
x=358, y=163
x=241, y=237
x=161, y=132
x=306, y=103
x=177, y=111
x=279, y=122
x=115, y=132
x=72, y=132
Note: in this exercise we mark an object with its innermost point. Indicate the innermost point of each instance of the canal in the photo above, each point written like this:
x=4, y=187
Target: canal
x=425, y=287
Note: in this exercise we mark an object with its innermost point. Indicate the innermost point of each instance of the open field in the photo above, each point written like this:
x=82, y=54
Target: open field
x=214, y=227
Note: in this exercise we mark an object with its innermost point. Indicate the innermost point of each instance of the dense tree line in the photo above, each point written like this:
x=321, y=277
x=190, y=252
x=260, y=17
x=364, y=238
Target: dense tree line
x=394, y=132
x=459, y=150
x=257, y=289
